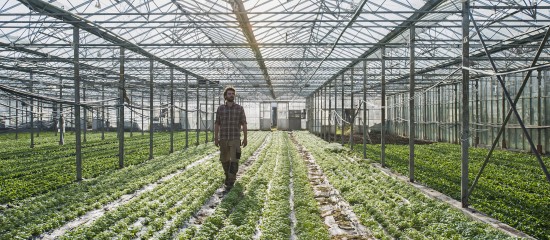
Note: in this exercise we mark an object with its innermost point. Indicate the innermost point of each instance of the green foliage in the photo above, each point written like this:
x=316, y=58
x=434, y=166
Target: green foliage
x=262, y=196
x=335, y=148
x=392, y=209
x=237, y=215
x=309, y=224
x=27, y=172
x=172, y=200
x=512, y=188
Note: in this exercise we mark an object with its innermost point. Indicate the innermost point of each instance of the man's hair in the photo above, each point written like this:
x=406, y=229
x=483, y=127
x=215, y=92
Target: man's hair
x=230, y=88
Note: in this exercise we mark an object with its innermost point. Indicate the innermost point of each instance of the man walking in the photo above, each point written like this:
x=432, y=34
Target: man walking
x=227, y=135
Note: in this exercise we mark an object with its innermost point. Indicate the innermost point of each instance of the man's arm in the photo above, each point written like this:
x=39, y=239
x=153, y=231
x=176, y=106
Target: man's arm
x=216, y=134
x=245, y=141
x=245, y=131
x=217, y=128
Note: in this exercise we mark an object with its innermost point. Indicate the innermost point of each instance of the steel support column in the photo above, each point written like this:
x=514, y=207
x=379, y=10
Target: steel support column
x=539, y=109
x=32, y=110
x=76, y=49
x=439, y=115
x=503, y=110
x=477, y=122
x=425, y=116
x=40, y=109
x=343, y=109
x=329, y=139
x=323, y=109
x=383, y=108
x=131, y=116
x=17, y=121
x=404, y=122
x=352, y=108
x=120, y=126
x=171, y=110
x=313, y=113
x=310, y=114
x=316, y=111
x=319, y=112
x=411, y=102
x=465, y=138
x=198, y=116
x=335, y=109
x=365, y=109
x=456, y=138
x=142, y=113
x=103, y=112
x=85, y=112
x=151, y=117
x=206, y=112
x=308, y=119
x=186, y=111
x=213, y=112
x=10, y=107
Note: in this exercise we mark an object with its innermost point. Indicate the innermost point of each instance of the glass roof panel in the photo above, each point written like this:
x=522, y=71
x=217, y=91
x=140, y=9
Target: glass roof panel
x=285, y=48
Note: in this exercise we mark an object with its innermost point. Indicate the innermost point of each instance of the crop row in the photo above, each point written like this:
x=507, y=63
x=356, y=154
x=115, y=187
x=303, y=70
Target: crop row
x=259, y=204
x=238, y=213
x=309, y=224
x=242, y=222
x=35, y=215
x=388, y=207
x=27, y=172
x=50, y=152
x=161, y=212
x=49, y=138
x=275, y=220
x=512, y=188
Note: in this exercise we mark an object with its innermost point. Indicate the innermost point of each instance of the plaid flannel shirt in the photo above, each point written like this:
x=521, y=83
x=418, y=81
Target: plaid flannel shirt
x=230, y=120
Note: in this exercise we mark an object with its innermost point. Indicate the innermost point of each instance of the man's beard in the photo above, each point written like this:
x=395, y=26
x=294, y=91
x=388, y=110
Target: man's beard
x=229, y=99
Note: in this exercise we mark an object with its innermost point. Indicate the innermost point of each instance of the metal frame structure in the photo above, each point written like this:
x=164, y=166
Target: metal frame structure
x=271, y=51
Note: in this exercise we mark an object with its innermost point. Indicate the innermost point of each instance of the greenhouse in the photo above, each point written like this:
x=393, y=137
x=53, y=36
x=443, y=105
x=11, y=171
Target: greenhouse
x=382, y=119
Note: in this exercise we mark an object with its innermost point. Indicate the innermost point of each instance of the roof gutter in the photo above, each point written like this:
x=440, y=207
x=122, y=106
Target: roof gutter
x=246, y=27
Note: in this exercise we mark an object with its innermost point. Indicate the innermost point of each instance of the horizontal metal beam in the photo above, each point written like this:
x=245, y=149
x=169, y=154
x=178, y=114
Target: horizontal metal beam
x=244, y=45
x=211, y=13
x=458, y=60
x=107, y=59
x=515, y=7
x=235, y=23
x=404, y=25
x=93, y=28
x=48, y=57
x=159, y=26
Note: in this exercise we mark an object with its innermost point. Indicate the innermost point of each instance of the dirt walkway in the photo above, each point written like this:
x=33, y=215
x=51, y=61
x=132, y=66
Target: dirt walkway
x=340, y=219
